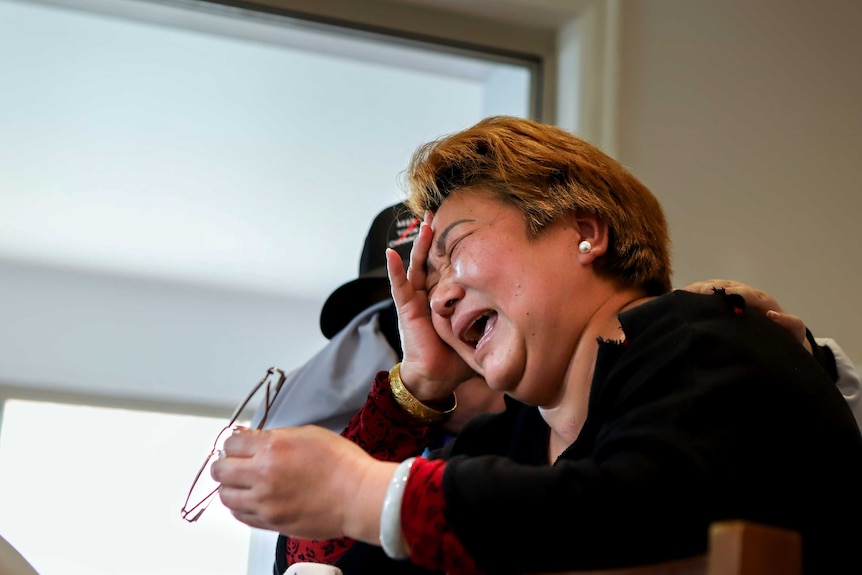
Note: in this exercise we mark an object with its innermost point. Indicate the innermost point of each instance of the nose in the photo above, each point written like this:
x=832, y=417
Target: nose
x=446, y=295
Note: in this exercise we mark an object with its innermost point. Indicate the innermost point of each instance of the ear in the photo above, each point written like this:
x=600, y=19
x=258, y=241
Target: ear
x=595, y=231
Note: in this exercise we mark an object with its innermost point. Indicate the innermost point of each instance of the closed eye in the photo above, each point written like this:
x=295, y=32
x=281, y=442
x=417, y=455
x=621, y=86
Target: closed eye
x=452, y=247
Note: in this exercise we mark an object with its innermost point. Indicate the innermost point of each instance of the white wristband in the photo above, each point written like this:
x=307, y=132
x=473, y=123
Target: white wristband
x=391, y=536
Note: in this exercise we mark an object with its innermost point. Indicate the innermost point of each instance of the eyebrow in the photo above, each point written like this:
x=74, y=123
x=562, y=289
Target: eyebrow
x=441, y=241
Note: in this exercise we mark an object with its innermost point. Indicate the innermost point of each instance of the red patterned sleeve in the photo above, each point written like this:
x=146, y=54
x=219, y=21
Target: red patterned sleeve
x=386, y=432
x=432, y=543
x=383, y=429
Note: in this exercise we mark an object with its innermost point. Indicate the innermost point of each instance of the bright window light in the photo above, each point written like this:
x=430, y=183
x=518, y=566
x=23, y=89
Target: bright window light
x=198, y=146
x=97, y=491
x=194, y=144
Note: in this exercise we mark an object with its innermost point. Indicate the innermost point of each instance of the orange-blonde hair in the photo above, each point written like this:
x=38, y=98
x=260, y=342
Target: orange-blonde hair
x=547, y=173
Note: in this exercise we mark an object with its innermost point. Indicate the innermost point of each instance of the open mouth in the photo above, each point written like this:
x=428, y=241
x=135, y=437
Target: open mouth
x=473, y=334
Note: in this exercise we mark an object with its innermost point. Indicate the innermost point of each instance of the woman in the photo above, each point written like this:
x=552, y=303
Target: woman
x=634, y=418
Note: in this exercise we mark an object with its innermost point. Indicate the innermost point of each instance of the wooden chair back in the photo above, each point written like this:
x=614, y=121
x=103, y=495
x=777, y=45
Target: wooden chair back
x=735, y=548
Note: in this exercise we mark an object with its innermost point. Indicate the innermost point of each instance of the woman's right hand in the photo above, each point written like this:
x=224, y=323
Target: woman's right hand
x=302, y=482
x=431, y=369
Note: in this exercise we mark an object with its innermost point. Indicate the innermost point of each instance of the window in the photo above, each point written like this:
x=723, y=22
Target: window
x=97, y=491
x=184, y=184
x=195, y=145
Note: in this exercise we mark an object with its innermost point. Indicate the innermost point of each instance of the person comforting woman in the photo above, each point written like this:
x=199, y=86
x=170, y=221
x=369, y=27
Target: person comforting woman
x=635, y=415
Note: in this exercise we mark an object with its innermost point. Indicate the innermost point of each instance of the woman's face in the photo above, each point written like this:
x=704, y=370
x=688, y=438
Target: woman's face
x=507, y=303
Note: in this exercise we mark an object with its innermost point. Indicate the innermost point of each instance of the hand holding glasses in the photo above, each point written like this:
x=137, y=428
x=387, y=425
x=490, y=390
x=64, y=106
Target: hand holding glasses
x=204, y=487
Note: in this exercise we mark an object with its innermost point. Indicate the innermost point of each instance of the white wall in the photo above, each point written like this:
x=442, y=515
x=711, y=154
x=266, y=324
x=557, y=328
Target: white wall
x=743, y=116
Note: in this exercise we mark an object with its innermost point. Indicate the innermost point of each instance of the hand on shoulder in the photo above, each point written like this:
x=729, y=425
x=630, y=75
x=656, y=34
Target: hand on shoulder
x=757, y=300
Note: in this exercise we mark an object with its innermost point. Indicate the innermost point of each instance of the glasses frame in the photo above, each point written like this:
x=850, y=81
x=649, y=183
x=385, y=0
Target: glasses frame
x=192, y=513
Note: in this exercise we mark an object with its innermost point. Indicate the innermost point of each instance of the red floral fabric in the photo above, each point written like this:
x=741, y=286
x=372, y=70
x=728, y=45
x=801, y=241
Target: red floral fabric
x=387, y=433
x=429, y=537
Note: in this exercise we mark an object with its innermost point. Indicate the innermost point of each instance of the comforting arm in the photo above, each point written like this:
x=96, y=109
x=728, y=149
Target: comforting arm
x=848, y=383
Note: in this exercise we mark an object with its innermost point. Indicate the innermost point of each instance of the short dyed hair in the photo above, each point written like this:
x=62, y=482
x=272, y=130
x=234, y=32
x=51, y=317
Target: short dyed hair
x=547, y=173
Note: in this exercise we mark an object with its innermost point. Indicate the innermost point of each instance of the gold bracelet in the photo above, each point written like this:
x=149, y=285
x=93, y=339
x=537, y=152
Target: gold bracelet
x=412, y=405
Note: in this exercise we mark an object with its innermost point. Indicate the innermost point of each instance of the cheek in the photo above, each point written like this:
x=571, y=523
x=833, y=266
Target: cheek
x=507, y=279
x=443, y=328
x=478, y=264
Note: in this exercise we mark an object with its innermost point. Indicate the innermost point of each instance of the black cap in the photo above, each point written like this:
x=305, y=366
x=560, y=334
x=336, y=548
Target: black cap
x=396, y=228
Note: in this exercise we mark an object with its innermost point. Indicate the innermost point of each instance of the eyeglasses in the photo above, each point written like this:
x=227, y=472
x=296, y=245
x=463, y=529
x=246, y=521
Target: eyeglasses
x=204, y=487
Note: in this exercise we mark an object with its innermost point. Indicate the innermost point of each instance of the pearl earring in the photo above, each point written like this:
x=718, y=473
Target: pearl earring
x=584, y=247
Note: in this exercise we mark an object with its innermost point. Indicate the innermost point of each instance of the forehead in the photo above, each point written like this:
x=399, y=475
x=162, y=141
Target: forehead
x=467, y=205
x=470, y=212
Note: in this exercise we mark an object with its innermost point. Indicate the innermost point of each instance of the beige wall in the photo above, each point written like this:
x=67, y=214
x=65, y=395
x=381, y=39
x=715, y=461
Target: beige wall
x=741, y=115
x=744, y=117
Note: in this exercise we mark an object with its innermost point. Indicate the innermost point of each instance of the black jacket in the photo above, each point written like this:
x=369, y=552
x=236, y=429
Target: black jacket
x=706, y=412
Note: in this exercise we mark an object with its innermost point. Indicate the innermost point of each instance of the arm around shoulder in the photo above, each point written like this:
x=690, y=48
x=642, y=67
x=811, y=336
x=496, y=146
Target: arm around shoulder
x=849, y=382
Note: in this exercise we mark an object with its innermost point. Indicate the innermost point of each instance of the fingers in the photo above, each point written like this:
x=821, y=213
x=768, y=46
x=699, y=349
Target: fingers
x=793, y=324
x=233, y=467
x=416, y=273
x=709, y=286
x=409, y=286
x=399, y=286
x=232, y=472
x=241, y=443
x=246, y=488
x=757, y=300
x=251, y=519
x=238, y=501
x=247, y=506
